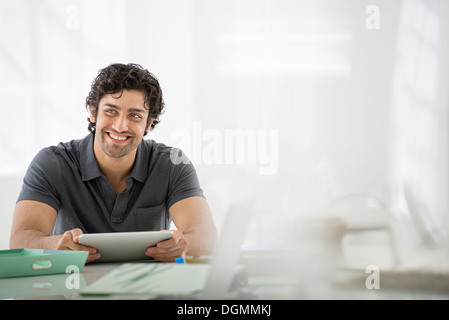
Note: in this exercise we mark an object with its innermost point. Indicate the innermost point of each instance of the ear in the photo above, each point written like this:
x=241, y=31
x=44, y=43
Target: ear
x=149, y=126
x=92, y=114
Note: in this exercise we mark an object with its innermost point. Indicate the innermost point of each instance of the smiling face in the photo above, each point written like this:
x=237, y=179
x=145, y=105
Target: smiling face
x=121, y=122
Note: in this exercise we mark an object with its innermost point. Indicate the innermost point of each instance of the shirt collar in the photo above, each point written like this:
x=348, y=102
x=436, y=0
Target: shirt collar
x=89, y=165
x=140, y=167
x=90, y=169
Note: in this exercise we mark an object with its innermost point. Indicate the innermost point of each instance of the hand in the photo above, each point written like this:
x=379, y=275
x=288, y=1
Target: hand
x=169, y=250
x=69, y=241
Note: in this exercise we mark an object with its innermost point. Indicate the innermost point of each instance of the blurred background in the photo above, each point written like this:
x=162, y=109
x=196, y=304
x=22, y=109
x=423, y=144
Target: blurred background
x=330, y=113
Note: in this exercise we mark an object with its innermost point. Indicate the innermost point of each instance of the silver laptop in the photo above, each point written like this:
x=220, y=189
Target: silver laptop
x=227, y=252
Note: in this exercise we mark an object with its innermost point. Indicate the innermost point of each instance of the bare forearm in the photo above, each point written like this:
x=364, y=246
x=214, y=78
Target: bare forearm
x=201, y=240
x=33, y=239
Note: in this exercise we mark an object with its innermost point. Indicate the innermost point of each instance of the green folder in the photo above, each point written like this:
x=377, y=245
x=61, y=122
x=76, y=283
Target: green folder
x=33, y=262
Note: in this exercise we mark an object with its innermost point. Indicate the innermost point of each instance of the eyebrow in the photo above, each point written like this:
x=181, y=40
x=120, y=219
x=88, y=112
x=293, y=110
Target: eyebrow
x=114, y=106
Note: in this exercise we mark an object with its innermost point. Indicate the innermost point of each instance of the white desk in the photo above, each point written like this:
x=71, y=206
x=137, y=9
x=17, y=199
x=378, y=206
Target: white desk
x=290, y=284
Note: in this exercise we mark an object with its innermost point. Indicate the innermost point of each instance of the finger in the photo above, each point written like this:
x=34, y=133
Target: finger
x=166, y=244
x=176, y=240
x=166, y=255
x=76, y=234
x=79, y=247
x=92, y=257
x=93, y=253
x=70, y=243
x=67, y=242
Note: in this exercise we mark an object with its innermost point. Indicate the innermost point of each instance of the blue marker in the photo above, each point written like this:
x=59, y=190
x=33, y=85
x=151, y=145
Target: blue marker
x=180, y=260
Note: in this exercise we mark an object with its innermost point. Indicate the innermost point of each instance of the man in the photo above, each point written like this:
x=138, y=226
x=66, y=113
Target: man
x=113, y=179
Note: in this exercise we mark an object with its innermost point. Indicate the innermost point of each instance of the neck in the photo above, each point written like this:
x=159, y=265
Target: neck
x=116, y=170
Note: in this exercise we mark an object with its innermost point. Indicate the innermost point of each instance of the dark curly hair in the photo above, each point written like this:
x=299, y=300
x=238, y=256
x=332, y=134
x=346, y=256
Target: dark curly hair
x=117, y=77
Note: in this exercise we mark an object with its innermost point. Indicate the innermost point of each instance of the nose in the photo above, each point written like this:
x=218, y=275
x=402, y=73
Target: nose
x=120, y=124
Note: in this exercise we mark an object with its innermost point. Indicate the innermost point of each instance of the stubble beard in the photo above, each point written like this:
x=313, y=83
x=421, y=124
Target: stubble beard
x=116, y=150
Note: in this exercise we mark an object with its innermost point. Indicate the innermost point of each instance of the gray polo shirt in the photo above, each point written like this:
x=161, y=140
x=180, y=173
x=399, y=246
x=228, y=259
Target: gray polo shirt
x=67, y=178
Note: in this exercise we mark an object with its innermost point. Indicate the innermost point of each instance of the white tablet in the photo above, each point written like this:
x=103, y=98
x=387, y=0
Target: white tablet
x=123, y=246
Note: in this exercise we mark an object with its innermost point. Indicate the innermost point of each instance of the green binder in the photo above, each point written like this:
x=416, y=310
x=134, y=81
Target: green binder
x=33, y=262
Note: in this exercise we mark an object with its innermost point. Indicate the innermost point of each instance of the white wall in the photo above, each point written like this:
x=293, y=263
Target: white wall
x=9, y=189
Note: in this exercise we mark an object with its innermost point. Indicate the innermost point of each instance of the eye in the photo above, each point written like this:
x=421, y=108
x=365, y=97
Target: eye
x=136, y=116
x=110, y=111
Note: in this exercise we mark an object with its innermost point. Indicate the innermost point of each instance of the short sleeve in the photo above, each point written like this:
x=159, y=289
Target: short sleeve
x=39, y=181
x=184, y=182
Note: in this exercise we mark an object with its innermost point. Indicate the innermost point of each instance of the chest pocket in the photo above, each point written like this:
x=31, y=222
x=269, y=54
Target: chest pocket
x=152, y=219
